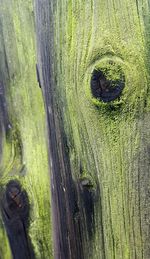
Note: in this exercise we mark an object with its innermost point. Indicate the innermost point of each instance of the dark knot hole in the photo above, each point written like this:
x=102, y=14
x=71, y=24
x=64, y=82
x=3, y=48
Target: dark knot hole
x=106, y=88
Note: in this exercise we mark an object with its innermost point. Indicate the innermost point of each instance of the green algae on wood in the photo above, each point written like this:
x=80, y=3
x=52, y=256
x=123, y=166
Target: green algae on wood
x=108, y=141
x=24, y=149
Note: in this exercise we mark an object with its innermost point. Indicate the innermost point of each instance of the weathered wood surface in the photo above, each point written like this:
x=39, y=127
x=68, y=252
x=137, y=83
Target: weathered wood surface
x=23, y=151
x=99, y=151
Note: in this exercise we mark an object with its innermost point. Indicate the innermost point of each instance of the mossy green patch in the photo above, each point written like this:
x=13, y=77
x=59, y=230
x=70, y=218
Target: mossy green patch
x=106, y=137
x=25, y=149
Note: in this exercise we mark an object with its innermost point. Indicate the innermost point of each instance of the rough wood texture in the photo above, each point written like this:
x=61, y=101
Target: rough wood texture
x=99, y=152
x=23, y=154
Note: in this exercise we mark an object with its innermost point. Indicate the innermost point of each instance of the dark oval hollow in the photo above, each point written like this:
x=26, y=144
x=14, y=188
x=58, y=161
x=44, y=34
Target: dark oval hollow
x=104, y=89
x=15, y=210
x=15, y=203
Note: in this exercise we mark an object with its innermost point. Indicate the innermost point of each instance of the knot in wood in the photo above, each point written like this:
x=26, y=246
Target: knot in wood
x=107, y=82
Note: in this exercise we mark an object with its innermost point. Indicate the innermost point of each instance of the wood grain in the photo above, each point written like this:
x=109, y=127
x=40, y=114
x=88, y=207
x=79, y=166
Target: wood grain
x=23, y=155
x=99, y=149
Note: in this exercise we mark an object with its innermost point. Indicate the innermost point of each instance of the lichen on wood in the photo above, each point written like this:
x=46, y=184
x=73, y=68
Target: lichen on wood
x=24, y=148
x=107, y=140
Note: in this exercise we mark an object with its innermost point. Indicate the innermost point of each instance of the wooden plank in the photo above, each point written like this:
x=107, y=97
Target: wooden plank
x=99, y=151
x=23, y=146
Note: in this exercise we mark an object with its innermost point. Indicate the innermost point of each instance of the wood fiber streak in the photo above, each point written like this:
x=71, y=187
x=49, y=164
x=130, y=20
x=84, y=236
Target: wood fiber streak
x=67, y=232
